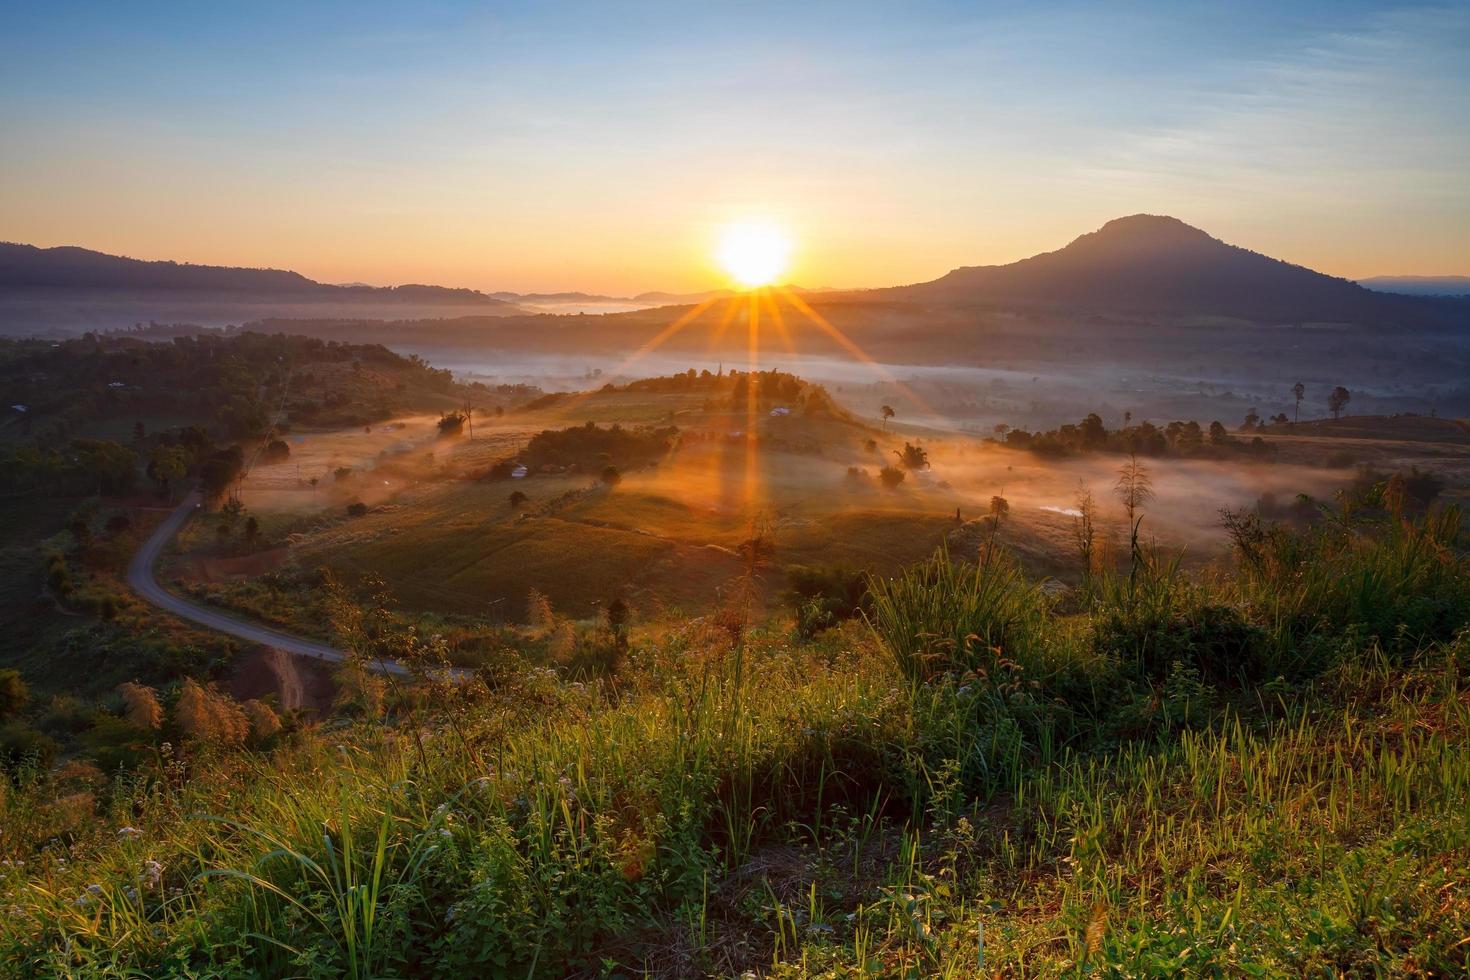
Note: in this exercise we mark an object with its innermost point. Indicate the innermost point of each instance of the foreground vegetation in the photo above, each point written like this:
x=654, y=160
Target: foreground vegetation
x=1266, y=773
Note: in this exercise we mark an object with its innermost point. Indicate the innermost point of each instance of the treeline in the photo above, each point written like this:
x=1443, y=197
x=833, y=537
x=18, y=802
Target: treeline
x=1143, y=439
x=590, y=449
x=735, y=390
x=108, y=468
x=238, y=382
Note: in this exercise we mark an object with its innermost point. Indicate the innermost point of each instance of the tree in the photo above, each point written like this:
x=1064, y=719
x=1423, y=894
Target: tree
x=611, y=476
x=1338, y=400
x=1000, y=431
x=1299, y=390
x=1252, y=421
x=166, y=465
x=888, y=413
x=1134, y=488
x=1218, y=435
x=913, y=457
x=891, y=476
x=252, y=530
x=230, y=513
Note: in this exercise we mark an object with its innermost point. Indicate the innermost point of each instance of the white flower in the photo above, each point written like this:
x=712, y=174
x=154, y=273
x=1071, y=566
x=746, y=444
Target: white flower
x=128, y=833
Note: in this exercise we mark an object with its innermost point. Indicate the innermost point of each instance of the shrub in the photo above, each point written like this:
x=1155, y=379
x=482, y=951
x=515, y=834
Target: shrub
x=140, y=705
x=357, y=509
x=824, y=596
x=891, y=476
x=21, y=745
x=14, y=693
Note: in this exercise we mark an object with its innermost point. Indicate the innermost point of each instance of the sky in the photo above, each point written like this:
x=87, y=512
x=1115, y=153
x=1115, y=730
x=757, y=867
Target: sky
x=603, y=146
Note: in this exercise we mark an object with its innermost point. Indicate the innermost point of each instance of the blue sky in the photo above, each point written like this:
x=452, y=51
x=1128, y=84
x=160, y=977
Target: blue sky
x=602, y=146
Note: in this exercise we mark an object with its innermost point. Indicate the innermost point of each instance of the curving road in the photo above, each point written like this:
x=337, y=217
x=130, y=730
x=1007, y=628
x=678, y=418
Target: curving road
x=140, y=577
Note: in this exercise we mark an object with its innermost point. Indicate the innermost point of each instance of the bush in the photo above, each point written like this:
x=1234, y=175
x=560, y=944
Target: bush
x=824, y=595
x=22, y=745
x=891, y=476
x=14, y=693
x=357, y=509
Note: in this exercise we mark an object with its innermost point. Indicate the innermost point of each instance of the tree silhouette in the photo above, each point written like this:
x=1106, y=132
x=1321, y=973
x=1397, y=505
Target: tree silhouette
x=1338, y=400
x=888, y=413
x=913, y=457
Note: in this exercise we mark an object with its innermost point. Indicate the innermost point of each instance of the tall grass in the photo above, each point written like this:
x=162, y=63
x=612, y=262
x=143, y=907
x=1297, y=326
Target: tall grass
x=972, y=783
x=1402, y=582
x=944, y=616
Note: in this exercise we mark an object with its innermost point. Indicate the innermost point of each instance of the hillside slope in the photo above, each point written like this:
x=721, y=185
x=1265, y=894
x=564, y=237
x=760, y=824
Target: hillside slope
x=1156, y=264
x=69, y=288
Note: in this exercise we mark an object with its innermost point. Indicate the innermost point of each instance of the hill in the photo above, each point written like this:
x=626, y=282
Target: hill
x=1156, y=264
x=70, y=288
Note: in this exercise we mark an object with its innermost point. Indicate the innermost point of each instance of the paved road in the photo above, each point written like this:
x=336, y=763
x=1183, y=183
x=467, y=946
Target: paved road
x=140, y=577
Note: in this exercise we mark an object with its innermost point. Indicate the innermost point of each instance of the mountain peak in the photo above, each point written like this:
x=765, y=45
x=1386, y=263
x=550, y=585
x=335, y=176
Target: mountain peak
x=1146, y=229
x=1156, y=264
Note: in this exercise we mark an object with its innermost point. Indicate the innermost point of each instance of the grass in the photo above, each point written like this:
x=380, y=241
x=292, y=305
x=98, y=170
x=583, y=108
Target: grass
x=978, y=782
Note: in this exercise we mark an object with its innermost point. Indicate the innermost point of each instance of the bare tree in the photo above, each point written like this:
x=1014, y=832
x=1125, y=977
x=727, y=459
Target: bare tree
x=1084, y=530
x=1135, y=487
x=999, y=508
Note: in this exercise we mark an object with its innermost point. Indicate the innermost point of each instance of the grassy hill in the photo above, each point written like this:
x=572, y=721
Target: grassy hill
x=731, y=711
x=1267, y=775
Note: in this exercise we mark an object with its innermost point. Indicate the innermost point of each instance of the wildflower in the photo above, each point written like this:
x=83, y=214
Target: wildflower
x=154, y=872
x=445, y=832
x=128, y=833
x=94, y=889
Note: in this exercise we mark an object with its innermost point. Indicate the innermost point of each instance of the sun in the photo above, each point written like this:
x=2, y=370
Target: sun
x=754, y=253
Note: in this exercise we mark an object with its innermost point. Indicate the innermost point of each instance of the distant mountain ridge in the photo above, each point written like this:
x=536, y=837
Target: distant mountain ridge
x=1145, y=264
x=1419, y=285
x=69, y=267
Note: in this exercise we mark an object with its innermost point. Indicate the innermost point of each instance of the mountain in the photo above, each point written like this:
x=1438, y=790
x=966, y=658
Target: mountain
x=1420, y=285
x=69, y=288
x=1153, y=264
